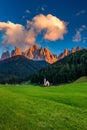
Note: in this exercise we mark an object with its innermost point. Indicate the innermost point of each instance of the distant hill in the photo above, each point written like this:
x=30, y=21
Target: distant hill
x=65, y=70
x=18, y=69
x=81, y=79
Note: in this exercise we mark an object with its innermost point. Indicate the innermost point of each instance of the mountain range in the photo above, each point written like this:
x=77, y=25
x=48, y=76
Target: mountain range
x=36, y=53
x=19, y=67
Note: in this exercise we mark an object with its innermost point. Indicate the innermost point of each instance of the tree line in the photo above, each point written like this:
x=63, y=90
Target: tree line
x=65, y=70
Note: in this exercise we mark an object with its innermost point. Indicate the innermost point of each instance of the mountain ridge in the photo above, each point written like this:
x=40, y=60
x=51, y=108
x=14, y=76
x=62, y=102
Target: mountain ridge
x=36, y=53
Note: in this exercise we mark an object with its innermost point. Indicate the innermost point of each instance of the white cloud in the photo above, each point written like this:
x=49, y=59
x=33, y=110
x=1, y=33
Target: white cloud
x=78, y=36
x=15, y=34
x=28, y=11
x=80, y=12
x=42, y=8
x=51, y=28
x=84, y=39
x=23, y=17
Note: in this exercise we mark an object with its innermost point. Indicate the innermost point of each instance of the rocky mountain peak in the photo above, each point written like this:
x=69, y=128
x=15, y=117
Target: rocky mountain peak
x=36, y=53
x=32, y=52
x=16, y=51
x=47, y=55
x=78, y=48
x=5, y=55
x=73, y=50
x=66, y=52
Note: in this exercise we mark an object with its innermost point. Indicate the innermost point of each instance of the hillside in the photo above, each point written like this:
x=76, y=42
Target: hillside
x=28, y=107
x=18, y=68
x=81, y=79
x=65, y=70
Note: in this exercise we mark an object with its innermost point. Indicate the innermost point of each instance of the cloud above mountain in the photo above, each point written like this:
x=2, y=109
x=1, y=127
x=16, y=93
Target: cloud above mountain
x=51, y=28
x=78, y=36
x=16, y=34
x=12, y=33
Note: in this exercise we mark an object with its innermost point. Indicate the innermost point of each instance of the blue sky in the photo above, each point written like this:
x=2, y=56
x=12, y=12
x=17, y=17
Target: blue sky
x=73, y=12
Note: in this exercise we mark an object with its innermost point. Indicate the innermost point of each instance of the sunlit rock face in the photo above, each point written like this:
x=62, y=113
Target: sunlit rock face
x=78, y=48
x=5, y=55
x=73, y=50
x=47, y=55
x=32, y=52
x=67, y=52
x=16, y=51
x=36, y=53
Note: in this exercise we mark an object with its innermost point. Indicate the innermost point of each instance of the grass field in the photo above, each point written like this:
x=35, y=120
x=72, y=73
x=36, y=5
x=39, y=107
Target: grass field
x=27, y=107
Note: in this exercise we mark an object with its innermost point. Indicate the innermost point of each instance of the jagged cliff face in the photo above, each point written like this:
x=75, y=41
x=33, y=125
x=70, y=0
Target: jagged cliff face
x=32, y=52
x=78, y=48
x=5, y=55
x=47, y=55
x=73, y=50
x=36, y=53
x=67, y=52
x=16, y=52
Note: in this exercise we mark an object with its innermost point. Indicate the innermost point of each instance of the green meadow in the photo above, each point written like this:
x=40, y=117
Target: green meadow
x=29, y=107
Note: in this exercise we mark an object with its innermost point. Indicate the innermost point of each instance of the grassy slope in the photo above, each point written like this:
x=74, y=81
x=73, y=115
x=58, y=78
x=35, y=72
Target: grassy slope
x=36, y=108
x=81, y=79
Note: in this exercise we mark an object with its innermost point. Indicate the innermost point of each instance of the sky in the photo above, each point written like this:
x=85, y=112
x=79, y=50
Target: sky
x=53, y=24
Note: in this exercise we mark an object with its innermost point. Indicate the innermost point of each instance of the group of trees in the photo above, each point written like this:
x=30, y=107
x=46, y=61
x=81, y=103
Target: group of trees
x=18, y=69
x=66, y=70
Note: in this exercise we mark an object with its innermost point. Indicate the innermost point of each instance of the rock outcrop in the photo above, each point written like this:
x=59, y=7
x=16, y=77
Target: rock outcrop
x=36, y=53
x=5, y=55
x=47, y=55
x=16, y=52
x=67, y=52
